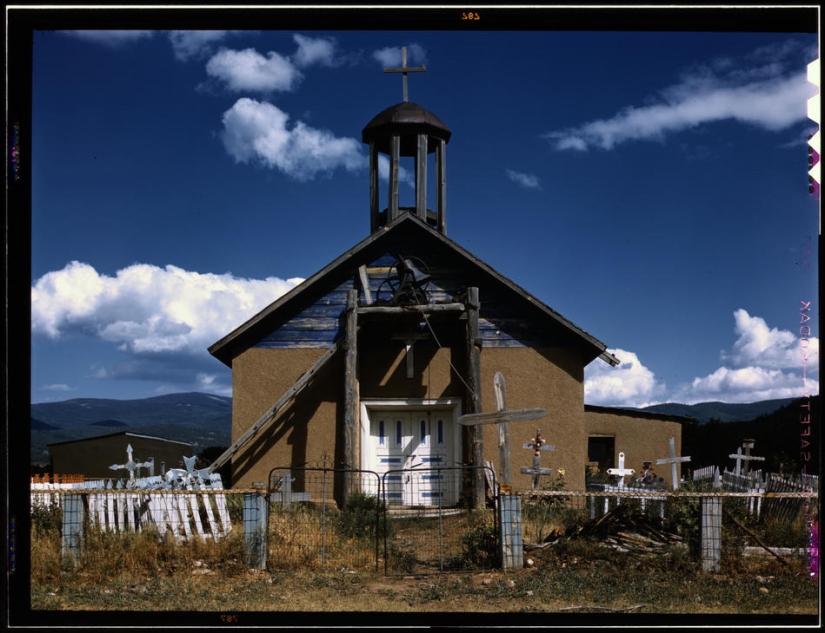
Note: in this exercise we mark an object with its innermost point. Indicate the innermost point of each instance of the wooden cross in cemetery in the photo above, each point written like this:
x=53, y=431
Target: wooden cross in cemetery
x=621, y=472
x=502, y=416
x=404, y=69
x=537, y=444
x=673, y=460
x=131, y=465
x=747, y=457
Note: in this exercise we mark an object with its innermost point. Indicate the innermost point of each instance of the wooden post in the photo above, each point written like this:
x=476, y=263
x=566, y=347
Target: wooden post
x=373, y=187
x=74, y=517
x=711, y=533
x=441, y=185
x=474, y=395
x=255, y=521
x=421, y=178
x=351, y=386
x=395, y=158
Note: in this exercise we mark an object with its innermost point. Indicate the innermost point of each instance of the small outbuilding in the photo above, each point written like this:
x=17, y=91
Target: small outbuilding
x=91, y=457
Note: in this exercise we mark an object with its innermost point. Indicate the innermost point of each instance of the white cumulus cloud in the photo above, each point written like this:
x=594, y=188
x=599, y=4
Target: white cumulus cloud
x=525, y=180
x=248, y=70
x=258, y=131
x=195, y=44
x=759, y=91
x=391, y=56
x=145, y=309
x=629, y=384
x=314, y=51
x=764, y=363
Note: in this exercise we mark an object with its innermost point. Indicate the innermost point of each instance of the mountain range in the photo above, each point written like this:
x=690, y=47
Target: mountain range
x=205, y=420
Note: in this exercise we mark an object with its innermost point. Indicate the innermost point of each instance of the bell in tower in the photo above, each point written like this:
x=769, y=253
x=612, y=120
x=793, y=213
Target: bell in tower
x=407, y=130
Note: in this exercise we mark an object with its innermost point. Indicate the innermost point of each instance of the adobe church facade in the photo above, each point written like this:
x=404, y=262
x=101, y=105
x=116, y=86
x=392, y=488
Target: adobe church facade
x=370, y=363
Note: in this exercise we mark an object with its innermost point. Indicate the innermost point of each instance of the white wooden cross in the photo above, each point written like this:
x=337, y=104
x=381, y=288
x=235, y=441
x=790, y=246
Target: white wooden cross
x=130, y=464
x=502, y=416
x=621, y=472
x=747, y=457
x=673, y=460
x=537, y=444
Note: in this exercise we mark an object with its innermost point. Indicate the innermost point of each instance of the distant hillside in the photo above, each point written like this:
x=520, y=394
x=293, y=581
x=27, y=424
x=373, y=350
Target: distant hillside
x=722, y=411
x=197, y=418
x=778, y=437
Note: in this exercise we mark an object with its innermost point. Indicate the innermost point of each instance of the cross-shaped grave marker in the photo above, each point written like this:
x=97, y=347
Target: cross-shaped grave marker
x=131, y=465
x=673, y=460
x=537, y=444
x=747, y=457
x=621, y=472
x=405, y=69
x=502, y=416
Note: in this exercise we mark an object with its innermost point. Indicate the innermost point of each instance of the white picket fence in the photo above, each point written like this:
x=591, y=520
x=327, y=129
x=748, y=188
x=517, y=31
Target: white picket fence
x=174, y=504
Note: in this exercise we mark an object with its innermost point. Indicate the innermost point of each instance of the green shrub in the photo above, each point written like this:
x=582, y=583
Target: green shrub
x=362, y=516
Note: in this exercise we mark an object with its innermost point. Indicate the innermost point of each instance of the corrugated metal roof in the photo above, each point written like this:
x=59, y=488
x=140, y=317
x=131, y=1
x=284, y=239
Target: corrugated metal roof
x=125, y=433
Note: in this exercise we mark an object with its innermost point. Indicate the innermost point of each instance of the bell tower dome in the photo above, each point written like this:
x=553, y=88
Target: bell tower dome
x=407, y=130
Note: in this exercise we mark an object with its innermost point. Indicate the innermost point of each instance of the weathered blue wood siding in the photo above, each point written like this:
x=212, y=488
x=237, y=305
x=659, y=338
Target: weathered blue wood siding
x=505, y=320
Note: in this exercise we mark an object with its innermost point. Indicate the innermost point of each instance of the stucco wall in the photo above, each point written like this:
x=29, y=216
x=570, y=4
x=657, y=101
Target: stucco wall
x=550, y=379
x=639, y=438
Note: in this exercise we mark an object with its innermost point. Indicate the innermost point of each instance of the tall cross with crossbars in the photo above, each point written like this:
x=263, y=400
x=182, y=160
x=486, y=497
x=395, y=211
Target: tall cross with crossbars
x=404, y=69
x=502, y=416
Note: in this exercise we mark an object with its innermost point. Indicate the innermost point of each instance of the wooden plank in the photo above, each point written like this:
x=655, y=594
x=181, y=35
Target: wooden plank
x=365, y=284
x=276, y=408
x=494, y=417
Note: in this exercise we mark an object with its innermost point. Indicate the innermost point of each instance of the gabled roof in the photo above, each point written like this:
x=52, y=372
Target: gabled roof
x=334, y=273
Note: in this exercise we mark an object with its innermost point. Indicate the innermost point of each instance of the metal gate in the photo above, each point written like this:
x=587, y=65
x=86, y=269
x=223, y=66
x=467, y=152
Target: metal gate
x=332, y=519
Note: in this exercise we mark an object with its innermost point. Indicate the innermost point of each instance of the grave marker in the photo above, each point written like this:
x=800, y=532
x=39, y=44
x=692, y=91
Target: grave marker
x=673, y=460
x=621, y=472
x=537, y=444
x=502, y=416
x=747, y=457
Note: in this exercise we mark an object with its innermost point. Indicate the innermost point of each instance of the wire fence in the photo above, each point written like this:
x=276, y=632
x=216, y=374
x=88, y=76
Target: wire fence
x=421, y=521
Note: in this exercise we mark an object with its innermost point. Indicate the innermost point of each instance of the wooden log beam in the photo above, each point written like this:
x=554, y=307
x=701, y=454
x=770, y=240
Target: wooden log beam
x=474, y=394
x=494, y=417
x=272, y=413
x=351, y=382
x=427, y=308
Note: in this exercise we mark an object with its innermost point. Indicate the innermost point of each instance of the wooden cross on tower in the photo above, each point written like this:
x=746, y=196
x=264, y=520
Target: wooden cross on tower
x=537, y=444
x=673, y=460
x=621, y=472
x=747, y=457
x=502, y=416
x=404, y=69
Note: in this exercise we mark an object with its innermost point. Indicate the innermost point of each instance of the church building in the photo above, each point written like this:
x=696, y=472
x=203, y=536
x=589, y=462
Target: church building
x=371, y=362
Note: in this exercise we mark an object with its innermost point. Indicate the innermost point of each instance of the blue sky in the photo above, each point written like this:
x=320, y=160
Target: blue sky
x=652, y=187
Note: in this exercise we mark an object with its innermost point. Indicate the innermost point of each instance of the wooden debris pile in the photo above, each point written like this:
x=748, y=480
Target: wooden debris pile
x=624, y=528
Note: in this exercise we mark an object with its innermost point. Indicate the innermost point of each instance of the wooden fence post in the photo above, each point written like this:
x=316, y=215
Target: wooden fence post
x=74, y=517
x=512, y=556
x=255, y=521
x=711, y=533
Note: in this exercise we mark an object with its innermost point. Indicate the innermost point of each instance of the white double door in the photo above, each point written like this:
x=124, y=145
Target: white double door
x=407, y=449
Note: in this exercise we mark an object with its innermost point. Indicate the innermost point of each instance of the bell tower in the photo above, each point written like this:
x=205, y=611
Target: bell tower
x=407, y=130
